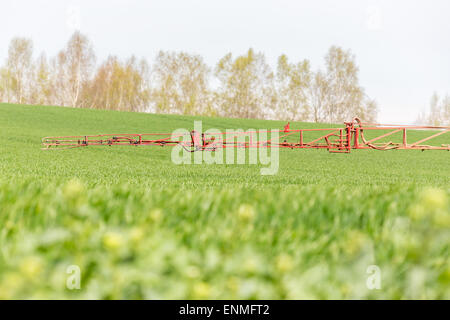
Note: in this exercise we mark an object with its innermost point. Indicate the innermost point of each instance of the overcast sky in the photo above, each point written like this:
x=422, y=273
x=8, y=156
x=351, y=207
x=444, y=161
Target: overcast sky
x=402, y=47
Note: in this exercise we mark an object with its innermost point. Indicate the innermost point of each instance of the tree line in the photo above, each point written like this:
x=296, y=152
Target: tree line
x=178, y=82
x=438, y=113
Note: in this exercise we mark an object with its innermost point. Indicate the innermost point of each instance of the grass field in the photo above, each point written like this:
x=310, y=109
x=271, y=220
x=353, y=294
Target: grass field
x=139, y=226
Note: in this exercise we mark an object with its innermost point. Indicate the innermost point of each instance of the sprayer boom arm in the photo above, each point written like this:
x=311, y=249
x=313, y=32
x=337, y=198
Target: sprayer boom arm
x=351, y=136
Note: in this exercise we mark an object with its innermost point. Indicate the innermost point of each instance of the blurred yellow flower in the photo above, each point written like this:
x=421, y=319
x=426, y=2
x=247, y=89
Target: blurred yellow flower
x=31, y=267
x=433, y=198
x=442, y=219
x=201, y=290
x=9, y=225
x=233, y=284
x=73, y=189
x=354, y=241
x=432, y=205
x=137, y=234
x=156, y=215
x=284, y=263
x=11, y=282
x=417, y=212
x=113, y=240
x=246, y=212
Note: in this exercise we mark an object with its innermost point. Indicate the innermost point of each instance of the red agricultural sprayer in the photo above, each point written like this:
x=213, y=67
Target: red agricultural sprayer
x=354, y=135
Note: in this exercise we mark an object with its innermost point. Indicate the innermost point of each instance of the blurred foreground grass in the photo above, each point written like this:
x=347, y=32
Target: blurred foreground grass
x=309, y=242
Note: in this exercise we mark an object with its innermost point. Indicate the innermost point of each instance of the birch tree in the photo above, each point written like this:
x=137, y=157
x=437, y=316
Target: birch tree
x=41, y=89
x=438, y=113
x=18, y=69
x=5, y=78
x=446, y=111
x=246, y=86
x=76, y=63
x=318, y=96
x=293, y=82
x=120, y=86
x=181, y=84
x=345, y=94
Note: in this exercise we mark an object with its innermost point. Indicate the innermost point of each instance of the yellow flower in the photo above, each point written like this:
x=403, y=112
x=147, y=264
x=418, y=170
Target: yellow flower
x=434, y=198
x=432, y=205
x=232, y=284
x=417, y=212
x=113, y=240
x=202, y=290
x=354, y=242
x=9, y=225
x=156, y=215
x=284, y=263
x=31, y=267
x=442, y=219
x=10, y=284
x=137, y=234
x=246, y=212
x=73, y=189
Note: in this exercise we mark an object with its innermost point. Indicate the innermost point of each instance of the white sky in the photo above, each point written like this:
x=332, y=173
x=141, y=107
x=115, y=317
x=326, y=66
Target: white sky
x=401, y=47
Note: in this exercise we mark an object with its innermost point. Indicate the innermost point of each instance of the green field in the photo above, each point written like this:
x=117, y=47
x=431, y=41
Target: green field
x=139, y=226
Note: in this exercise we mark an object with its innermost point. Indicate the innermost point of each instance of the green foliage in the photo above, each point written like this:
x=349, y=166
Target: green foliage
x=140, y=226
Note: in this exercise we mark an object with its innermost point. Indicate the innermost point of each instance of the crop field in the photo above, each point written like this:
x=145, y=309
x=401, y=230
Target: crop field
x=139, y=226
